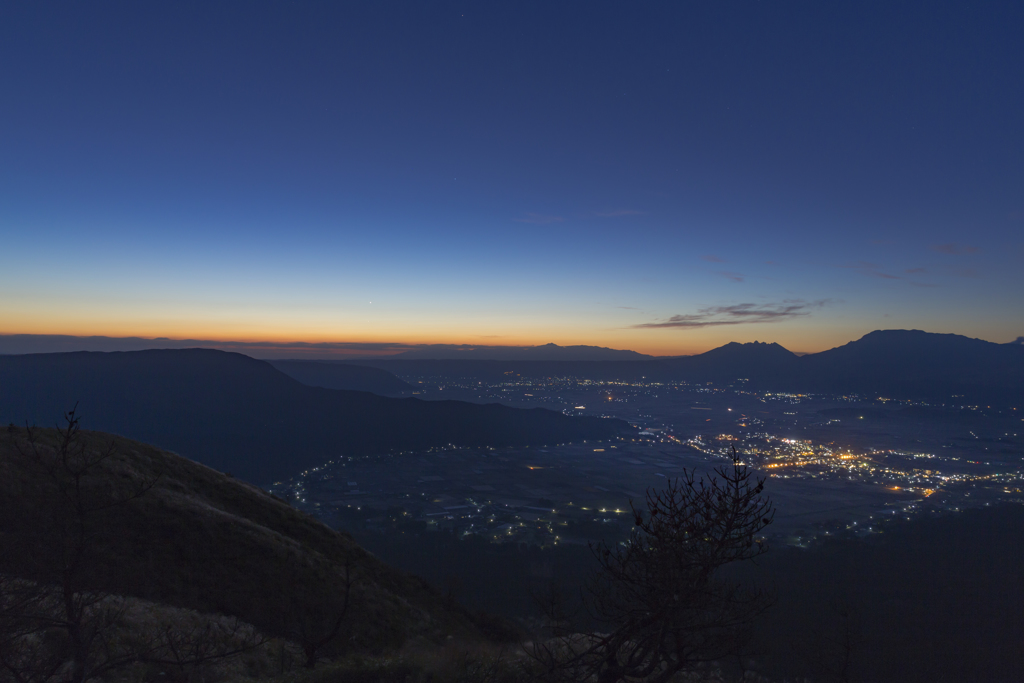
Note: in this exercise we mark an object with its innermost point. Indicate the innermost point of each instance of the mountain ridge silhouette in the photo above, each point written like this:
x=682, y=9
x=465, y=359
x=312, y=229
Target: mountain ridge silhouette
x=241, y=415
x=910, y=364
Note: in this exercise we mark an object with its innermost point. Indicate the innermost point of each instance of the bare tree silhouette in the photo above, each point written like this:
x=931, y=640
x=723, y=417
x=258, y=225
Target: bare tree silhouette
x=661, y=594
x=313, y=613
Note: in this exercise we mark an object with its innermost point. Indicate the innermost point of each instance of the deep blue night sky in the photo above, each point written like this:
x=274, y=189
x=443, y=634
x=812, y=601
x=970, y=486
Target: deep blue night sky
x=663, y=177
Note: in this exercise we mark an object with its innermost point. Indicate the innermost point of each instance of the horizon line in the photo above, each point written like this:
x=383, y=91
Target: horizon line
x=27, y=343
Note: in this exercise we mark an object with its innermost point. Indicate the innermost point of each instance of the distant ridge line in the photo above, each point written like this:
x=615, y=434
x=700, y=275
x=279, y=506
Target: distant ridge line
x=910, y=364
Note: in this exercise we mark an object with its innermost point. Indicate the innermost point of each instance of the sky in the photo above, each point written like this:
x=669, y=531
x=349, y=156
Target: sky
x=664, y=177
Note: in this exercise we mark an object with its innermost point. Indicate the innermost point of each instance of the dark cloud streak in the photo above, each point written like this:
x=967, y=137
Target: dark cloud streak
x=740, y=314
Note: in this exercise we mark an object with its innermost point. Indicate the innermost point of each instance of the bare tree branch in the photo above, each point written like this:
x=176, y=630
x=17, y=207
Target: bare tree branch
x=660, y=593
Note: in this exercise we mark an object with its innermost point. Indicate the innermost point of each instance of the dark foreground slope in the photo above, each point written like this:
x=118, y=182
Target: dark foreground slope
x=202, y=540
x=930, y=600
x=342, y=376
x=240, y=415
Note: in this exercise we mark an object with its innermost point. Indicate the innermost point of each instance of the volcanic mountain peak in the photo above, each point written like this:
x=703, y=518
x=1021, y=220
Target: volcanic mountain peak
x=750, y=350
x=917, y=346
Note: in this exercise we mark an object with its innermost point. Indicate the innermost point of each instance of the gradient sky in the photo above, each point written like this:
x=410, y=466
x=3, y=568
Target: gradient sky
x=663, y=177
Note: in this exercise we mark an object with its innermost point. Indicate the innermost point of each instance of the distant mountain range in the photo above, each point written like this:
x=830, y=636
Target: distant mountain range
x=241, y=415
x=891, y=363
x=320, y=351
x=545, y=352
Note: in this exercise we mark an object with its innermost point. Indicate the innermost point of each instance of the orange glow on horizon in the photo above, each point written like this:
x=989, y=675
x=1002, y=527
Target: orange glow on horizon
x=397, y=331
x=273, y=337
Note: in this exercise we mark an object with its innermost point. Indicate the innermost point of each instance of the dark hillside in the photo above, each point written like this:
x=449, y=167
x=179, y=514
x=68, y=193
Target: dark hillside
x=342, y=376
x=930, y=600
x=240, y=415
x=202, y=540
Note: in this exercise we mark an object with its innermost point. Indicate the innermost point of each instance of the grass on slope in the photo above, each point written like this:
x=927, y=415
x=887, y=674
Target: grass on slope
x=201, y=540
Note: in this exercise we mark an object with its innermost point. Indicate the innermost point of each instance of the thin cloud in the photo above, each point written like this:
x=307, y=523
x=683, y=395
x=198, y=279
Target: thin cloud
x=741, y=314
x=618, y=212
x=915, y=271
x=954, y=248
x=539, y=219
x=735, y=277
x=711, y=258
